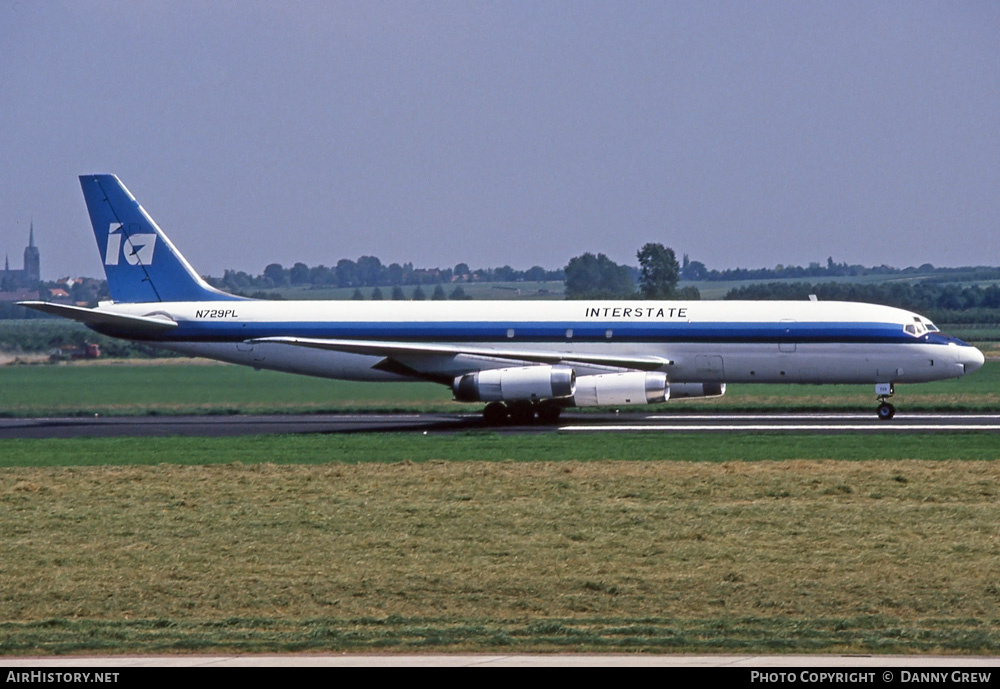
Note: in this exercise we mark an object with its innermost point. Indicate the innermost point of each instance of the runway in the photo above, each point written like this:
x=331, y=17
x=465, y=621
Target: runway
x=240, y=425
x=800, y=423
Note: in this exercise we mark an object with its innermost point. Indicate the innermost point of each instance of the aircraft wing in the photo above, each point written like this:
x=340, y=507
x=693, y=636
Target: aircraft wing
x=410, y=353
x=97, y=317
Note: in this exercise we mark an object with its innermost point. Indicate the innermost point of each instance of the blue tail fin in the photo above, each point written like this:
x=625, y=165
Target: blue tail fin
x=140, y=262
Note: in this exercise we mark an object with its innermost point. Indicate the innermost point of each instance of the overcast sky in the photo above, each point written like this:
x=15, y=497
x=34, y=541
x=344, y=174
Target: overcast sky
x=524, y=133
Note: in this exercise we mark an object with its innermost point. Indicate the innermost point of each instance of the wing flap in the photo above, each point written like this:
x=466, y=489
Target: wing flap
x=410, y=350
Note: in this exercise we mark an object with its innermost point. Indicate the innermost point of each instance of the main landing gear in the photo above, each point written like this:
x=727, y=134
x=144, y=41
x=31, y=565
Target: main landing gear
x=885, y=410
x=521, y=412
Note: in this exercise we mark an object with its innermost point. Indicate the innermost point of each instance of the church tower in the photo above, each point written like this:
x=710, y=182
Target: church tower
x=32, y=260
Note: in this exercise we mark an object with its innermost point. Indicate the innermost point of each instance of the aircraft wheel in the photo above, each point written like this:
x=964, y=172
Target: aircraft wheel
x=495, y=413
x=548, y=412
x=886, y=411
x=522, y=413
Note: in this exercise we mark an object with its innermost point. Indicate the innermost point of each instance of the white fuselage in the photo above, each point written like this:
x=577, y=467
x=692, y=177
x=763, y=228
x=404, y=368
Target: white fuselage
x=699, y=341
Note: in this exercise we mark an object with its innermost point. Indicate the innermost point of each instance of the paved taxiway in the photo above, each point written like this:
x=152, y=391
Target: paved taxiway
x=239, y=425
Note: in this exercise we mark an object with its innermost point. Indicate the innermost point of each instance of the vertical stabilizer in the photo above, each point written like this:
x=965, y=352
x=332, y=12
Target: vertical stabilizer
x=141, y=263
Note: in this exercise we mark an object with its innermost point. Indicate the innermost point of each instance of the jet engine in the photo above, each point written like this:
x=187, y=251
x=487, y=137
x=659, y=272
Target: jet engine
x=513, y=384
x=633, y=387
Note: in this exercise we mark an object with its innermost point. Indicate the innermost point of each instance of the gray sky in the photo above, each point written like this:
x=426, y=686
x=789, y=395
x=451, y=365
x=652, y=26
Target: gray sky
x=523, y=133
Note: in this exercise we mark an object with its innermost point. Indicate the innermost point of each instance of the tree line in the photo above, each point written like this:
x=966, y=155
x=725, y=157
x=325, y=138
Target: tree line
x=946, y=302
x=590, y=276
x=369, y=271
x=598, y=277
x=418, y=294
x=696, y=271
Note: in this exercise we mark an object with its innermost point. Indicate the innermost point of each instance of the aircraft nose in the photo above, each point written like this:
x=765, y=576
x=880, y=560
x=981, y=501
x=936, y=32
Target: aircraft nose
x=972, y=359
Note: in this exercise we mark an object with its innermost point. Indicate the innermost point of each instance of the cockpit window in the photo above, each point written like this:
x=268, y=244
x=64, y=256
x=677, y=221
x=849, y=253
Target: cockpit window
x=918, y=328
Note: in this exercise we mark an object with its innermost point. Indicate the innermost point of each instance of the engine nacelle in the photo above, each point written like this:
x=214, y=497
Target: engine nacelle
x=634, y=387
x=510, y=384
x=680, y=391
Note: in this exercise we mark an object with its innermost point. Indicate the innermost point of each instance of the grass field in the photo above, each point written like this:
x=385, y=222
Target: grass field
x=748, y=543
x=491, y=447
x=181, y=387
x=641, y=556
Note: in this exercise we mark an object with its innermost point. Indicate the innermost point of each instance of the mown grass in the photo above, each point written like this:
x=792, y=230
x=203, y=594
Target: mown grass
x=750, y=543
x=186, y=388
x=198, y=388
x=323, y=448
x=793, y=556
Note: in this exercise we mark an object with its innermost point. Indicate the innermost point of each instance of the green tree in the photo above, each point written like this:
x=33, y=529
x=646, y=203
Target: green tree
x=658, y=271
x=346, y=273
x=299, y=274
x=597, y=277
x=459, y=293
x=276, y=274
x=694, y=270
x=370, y=271
x=321, y=275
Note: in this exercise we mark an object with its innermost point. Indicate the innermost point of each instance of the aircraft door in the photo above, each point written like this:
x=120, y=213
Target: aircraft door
x=709, y=368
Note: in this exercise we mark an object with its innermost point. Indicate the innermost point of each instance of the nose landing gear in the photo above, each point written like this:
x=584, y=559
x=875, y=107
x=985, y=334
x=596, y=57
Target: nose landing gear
x=885, y=410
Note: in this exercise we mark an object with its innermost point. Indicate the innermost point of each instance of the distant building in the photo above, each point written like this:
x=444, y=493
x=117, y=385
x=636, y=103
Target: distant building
x=19, y=295
x=29, y=276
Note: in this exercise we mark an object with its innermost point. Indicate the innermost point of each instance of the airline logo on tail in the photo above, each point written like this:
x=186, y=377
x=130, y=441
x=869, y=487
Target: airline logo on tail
x=138, y=247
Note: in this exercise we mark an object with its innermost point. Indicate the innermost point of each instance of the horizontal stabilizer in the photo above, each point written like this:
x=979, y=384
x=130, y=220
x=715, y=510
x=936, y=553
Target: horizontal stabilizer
x=390, y=349
x=104, y=319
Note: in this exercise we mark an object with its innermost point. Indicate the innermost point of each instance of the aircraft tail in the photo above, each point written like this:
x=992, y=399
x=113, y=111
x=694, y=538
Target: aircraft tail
x=141, y=263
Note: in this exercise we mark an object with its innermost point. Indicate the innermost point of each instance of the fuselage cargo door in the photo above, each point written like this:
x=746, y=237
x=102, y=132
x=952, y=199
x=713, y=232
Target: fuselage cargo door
x=709, y=368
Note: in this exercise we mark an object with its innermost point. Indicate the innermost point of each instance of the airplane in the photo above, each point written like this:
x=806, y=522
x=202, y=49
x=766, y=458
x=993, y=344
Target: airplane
x=525, y=360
